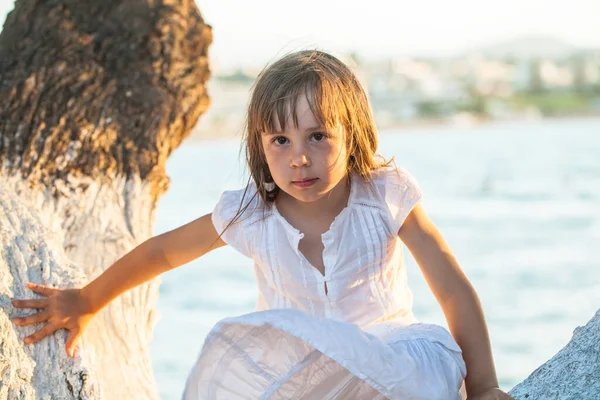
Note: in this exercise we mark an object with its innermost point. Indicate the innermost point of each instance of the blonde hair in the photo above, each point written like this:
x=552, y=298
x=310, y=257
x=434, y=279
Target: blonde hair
x=335, y=97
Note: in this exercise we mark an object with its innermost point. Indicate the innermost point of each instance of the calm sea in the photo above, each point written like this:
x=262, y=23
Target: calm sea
x=519, y=203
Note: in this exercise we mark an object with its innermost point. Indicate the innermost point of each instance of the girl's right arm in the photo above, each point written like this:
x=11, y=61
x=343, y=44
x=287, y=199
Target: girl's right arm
x=72, y=309
x=151, y=258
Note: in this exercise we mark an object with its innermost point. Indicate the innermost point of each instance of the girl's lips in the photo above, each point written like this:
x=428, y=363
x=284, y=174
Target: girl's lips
x=305, y=183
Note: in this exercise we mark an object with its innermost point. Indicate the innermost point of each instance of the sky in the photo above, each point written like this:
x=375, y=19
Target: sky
x=252, y=33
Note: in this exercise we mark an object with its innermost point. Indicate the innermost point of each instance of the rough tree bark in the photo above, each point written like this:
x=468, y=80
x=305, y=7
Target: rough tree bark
x=28, y=251
x=94, y=97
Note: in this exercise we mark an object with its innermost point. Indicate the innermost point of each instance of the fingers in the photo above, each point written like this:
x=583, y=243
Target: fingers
x=40, y=289
x=30, y=303
x=35, y=303
x=32, y=319
x=72, y=342
x=47, y=330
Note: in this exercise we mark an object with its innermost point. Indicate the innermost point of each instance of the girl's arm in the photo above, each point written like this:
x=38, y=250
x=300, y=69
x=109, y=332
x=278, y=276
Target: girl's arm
x=151, y=258
x=458, y=300
x=72, y=309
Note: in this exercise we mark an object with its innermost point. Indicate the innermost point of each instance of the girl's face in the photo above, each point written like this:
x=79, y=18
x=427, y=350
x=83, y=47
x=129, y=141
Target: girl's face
x=307, y=161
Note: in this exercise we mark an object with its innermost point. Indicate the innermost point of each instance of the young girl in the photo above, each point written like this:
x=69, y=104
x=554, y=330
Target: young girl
x=324, y=219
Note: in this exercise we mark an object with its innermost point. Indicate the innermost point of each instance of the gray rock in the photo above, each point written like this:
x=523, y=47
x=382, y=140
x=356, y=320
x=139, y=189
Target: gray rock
x=572, y=374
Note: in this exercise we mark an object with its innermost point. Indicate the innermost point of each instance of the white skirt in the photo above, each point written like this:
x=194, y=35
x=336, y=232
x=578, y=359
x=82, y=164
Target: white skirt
x=287, y=354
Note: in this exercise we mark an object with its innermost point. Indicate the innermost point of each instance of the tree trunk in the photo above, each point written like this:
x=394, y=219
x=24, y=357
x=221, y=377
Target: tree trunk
x=29, y=252
x=94, y=97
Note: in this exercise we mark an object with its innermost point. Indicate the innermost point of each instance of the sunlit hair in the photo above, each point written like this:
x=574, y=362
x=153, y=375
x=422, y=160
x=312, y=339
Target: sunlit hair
x=335, y=97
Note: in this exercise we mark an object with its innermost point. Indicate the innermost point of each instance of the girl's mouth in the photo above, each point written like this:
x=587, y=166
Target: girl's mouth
x=304, y=183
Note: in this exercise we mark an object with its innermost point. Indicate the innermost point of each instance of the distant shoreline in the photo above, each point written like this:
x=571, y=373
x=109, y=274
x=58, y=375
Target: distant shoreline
x=409, y=126
x=433, y=123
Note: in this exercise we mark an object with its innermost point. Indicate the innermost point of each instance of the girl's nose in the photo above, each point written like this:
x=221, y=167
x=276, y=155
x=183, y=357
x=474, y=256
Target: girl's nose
x=299, y=158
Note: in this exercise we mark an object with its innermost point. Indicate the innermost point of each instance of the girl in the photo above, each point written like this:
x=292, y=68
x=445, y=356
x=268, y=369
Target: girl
x=324, y=219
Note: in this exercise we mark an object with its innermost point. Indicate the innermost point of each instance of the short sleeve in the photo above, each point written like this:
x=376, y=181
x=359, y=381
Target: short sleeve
x=402, y=194
x=235, y=234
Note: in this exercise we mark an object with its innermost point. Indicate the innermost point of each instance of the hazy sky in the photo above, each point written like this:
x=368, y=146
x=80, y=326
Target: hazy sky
x=254, y=32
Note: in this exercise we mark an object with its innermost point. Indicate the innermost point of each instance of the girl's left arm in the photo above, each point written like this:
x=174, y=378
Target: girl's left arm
x=459, y=302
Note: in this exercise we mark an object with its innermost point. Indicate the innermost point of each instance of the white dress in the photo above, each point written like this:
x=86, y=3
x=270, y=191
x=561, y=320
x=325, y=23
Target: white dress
x=359, y=340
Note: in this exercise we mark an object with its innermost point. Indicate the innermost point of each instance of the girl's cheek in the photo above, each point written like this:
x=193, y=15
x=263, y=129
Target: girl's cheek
x=276, y=158
x=332, y=152
x=326, y=149
x=272, y=151
x=279, y=152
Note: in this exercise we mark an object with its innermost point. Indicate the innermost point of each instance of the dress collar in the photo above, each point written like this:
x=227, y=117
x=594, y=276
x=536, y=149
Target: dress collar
x=294, y=235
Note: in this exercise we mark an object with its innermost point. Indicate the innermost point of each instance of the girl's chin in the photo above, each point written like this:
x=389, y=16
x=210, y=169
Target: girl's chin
x=304, y=195
x=307, y=199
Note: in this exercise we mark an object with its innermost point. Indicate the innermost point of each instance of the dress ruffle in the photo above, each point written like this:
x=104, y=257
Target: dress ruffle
x=288, y=354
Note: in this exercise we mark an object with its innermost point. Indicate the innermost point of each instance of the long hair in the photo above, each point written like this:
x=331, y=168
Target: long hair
x=335, y=97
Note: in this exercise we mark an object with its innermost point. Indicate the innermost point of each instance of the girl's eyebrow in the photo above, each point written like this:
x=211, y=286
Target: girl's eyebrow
x=312, y=128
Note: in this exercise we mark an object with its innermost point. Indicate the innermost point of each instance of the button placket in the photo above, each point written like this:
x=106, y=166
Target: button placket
x=329, y=257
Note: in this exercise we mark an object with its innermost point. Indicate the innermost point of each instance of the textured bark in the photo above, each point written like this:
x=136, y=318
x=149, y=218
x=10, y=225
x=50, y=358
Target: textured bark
x=100, y=89
x=29, y=252
x=94, y=97
x=572, y=374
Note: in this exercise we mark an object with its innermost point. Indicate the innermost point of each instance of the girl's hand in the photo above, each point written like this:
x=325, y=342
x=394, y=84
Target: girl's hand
x=60, y=309
x=491, y=394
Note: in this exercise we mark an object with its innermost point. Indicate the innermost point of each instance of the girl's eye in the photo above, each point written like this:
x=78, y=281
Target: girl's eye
x=319, y=136
x=280, y=140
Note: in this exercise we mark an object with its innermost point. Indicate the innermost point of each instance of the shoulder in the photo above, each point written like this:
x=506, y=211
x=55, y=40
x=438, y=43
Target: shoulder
x=238, y=218
x=389, y=183
x=392, y=189
x=241, y=206
x=392, y=177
